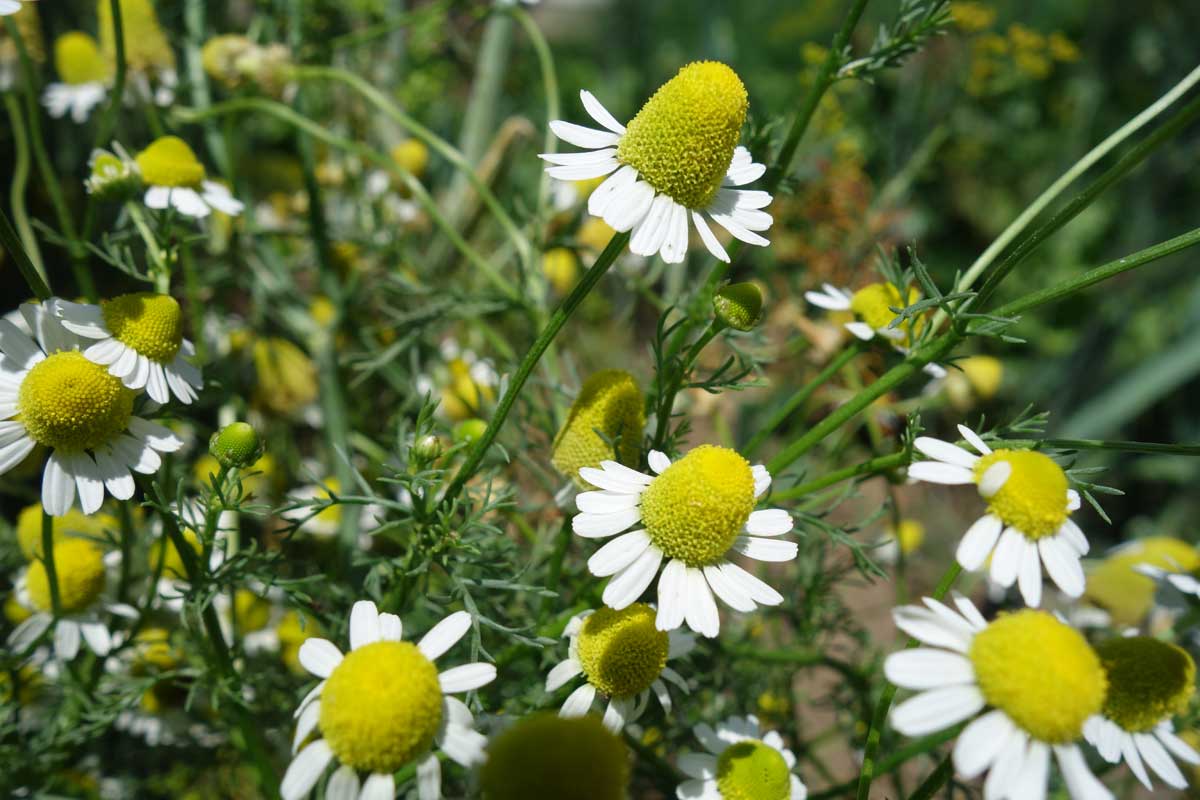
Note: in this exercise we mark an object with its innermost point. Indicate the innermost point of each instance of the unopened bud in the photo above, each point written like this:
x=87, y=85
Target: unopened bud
x=739, y=305
x=236, y=446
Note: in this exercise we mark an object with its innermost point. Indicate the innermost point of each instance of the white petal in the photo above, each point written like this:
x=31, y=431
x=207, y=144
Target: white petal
x=66, y=639
x=583, y=172
x=319, y=656
x=937, y=710
x=1031, y=785
x=117, y=479
x=696, y=789
x=599, y=526
x=700, y=609
x=628, y=585
x=58, y=486
x=138, y=456
x=1029, y=578
x=769, y=522
x=578, y=702
x=709, y=238
x=390, y=628
x=598, y=112
x=580, y=159
x=603, y=502
x=994, y=478
x=974, y=439
x=306, y=723
x=629, y=207
x=1157, y=758
x=698, y=765
x=20, y=351
x=429, y=778
x=981, y=742
x=157, y=436
x=658, y=461
x=861, y=330
x=189, y=203
x=304, y=771
x=766, y=549
x=928, y=668
x=615, y=715
x=125, y=364
x=618, y=553
x=83, y=319
x=927, y=627
x=581, y=136
x=731, y=593
x=978, y=542
x=15, y=451
x=562, y=673
x=1178, y=747
x=444, y=635
x=464, y=746
x=364, y=624
x=969, y=611
x=219, y=198
x=105, y=352
x=1006, y=769
x=674, y=247
x=1006, y=560
x=1133, y=759
x=28, y=632
x=89, y=481
x=834, y=302
x=672, y=596
x=650, y=233
x=759, y=591
x=611, y=190
x=467, y=677
x=945, y=452
x=937, y=472
x=610, y=481
x=1081, y=783
x=1062, y=563
x=313, y=694
x=343, y=785
x=762, y=479
x=157, y=197
x=156, y=385
x=1074, y=536
x=739, y=231
x=1073, y=500
x=98, y=639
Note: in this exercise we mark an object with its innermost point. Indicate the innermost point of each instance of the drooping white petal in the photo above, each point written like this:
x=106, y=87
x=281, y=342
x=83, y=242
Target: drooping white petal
x=928, y=668
x=467, y=677
x=319, y=656
x=306, y=723
x=759, y=591
x=343, y=784
x=945, y=452
x=618, y=554
x=1031, y=783
x=709, y=238
x=189, y=203
x=981, y=742
x=829, y=302
x=117, y=479
x=305, y=769
x=58, y=485
x=578, y=702
x=860, y=330
x=562, y=672
x=675, y=243
x=700, y=610
x=1081, y=783
x=937, y=709
x=731, y=593
x=429, y=779
x=1029, y=576
x=160, y=437
x=444, y=635
x=218, y=197
x=650, y=233
x=630, y=207
x=1006, y=560
x=1062, y=564
x=978, y=542
x=1074, y=536
x=97, y=636
x=464, y=746
x=672, y=596
x=1006, y=769
x=698, y=765
x=15, y=451
x=628, y=585
x=1157, y=758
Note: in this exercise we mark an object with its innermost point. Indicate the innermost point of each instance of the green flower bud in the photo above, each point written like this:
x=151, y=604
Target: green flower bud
x=236, y=446
x=469, y=430
x=609, y=403
x=739, y=305
x=427, y=448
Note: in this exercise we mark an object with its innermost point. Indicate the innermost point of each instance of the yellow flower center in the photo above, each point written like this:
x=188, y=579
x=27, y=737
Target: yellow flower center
x=609, y=409
x=682, y=141
x=381, y=706
x=286, y=377
x=169, y=161
x=153, y=651
x=412, y=156
x=1034, y=498
x=146, y=46
x=1126, y=593
x=547, y=756
x=152, y=324
x=67, y=402
x=253, y=612
x=696, y=508
x=622, y=653
x=79, y=570
x=1039, y=672
x=77, y=59
x=753, y=770
x=874, y=302
x=1148, y=681
x=73, y=523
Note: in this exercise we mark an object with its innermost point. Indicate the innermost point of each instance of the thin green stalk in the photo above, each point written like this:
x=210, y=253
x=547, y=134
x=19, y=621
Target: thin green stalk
x=936, y=780
x=126, y=551
x=48, y=563
x=901, y=756
x=871, y=467
x=550, y=87
x=431, y=140
x=191, y=285
x=801, y=397
x=675, y=379
x=193, y=17
x=12, y=245
x=20, y=180
x=879, y=719
x=422, y=197
x=108, y=120
x=605, y=260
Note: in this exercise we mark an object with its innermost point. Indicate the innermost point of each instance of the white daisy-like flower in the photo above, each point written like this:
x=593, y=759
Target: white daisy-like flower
x=383, y=705
x=1149, y=681
x=677, y=160
x=1179, y=579
x=694, y=515
x=139, y=337
x=51, y=395
x=175, y=178
x=741, y=762
x=1028, y=523
x=84, y=75
x=328, y=521
x=1037, y=675
x=622, y=656
x=82, y=575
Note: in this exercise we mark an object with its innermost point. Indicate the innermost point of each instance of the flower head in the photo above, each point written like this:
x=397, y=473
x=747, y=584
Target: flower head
x=1038, y=676
x=694, y=514
x=1028, y=523
x=609, y=409
x=1149, y=682
x=52, y=395
x=84, y=74
x=148, y=54
x=549, y=756
x=113, y=174
x=623, y=656
x=678, y=158
x=1123, y=584
x=383, y=705
x=175, y=178
x=741, y=763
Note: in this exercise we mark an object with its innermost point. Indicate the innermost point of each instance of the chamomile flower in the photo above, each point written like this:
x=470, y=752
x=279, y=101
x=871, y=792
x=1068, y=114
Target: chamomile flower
x=139, y=337
x=148, y=55
x=677, y=160
x=1182, y=581
x=544, y=755
x=742, y=763
x=51, y=395
x=383, y=705
x=81, y=575
x=1123, y=583
x=175, y=178
x=1038, y=676
x=694, y=515
x=1028, y=523
x=83, y=75
x=622, y=656
x=605, y=422
x=1149, y=681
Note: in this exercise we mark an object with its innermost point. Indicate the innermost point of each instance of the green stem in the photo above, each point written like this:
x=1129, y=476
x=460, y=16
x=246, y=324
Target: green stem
x=936, y=780
x=879, y=719
x=191, y=285
x=605, y=260
x=12, y=244
x=871, y=467
x=550, y=87
x=193, y=17
x=675, y=379
x=801, y=397
x=20, y=180
x=48, y=563
x=108, y=120
x=889, y=764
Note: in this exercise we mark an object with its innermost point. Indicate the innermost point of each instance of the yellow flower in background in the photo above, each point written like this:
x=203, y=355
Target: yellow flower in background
x=468, y=388
x=976, y=379
x=594, y=234
x=561, y=268
x=73, y=524
x=286, y=378
x=972, y=17
x=83, y=77
x=910, y=534
x=609, y=403
x=412, y=156
x=322, y=310
x=294, y=628
x=257, y=479
x=1127, y=595
x=148, y=54
x=1063, y=49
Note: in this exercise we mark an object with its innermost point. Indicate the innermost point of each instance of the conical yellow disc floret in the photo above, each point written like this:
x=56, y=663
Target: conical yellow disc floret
x=874, y=302
x=609, y=403
x=1148, y=681
x=152, y=324
x=1040, y=672
x=1034, y=498
x=77, y=59
x=682, y=141
x=146, y=46
x=547, y=756
x=79, y=570
x=169, y=161
x=622, y=653
x=1124, y=592
x=752, y=770
x=67, y=402
x=696, y=508
x=381, y=706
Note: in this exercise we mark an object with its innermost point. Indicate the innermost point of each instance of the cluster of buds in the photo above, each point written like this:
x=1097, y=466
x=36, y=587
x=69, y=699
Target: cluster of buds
x=114, y=174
